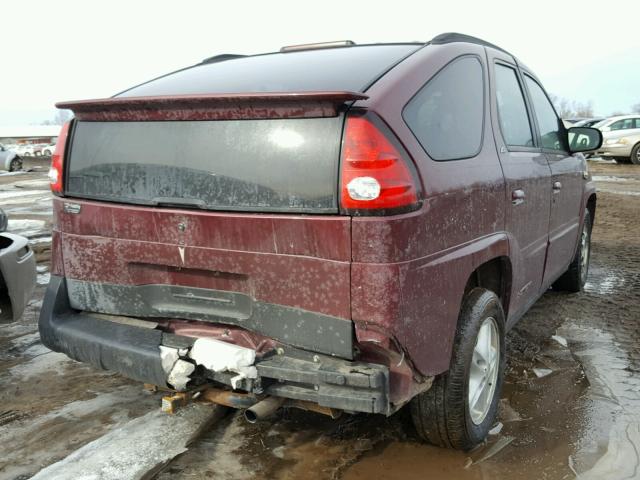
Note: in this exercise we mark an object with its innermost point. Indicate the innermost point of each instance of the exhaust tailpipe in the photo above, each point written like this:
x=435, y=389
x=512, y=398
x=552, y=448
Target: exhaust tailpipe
x=263, y=409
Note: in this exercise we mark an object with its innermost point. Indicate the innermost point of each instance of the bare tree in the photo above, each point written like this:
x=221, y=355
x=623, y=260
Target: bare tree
x=60, y=118
x=571, y=108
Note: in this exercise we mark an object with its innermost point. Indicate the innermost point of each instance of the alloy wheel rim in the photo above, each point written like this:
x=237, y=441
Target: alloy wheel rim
x=483, y=373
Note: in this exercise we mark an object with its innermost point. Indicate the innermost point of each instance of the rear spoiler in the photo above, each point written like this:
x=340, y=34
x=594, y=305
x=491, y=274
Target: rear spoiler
x=223, y=106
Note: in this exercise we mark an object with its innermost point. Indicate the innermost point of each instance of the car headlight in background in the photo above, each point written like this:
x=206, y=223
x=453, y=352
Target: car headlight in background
x=622, y=141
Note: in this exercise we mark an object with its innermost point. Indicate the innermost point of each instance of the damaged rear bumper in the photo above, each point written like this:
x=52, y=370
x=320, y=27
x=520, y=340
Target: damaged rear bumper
x=125, y=346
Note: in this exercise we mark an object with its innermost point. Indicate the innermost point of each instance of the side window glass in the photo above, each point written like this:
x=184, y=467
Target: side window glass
x=627, y=124
x=619, y=125
x=551, y=131
x=512, y=111
x=637, y=122
x=447, y=114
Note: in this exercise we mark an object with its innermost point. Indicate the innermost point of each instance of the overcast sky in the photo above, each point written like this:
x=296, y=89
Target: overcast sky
x=67, y=50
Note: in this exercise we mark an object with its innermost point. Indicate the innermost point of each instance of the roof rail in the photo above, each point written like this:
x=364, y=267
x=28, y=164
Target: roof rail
x=320, y=45
x=452, y=37
x=222, y=58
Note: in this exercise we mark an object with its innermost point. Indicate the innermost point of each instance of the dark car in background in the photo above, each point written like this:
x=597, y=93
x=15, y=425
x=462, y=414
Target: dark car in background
x=335, y=227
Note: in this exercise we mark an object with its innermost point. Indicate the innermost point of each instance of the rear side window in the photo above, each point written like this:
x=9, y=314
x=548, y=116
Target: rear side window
x=343, y=69
x=625, y=124
x=551, y=132
x=512, y=111
x=446, y=115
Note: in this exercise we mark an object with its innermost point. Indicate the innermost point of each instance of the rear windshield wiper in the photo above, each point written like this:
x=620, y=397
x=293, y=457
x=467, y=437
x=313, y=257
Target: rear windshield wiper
x=178, y=202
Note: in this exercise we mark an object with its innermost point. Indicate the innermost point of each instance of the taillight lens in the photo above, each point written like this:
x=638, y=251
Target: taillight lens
x=374, y=176
x=57, y=161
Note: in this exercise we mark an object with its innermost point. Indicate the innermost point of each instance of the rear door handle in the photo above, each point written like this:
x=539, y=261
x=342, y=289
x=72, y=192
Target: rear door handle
x=517, y=197
x=557, y=186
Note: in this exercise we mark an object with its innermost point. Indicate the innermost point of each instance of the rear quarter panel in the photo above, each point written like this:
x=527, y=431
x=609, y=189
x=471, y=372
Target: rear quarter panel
x=409, y=271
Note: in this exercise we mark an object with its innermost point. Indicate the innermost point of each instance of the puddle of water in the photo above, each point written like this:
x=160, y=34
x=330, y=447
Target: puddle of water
x=615, y=395
x=604, y=282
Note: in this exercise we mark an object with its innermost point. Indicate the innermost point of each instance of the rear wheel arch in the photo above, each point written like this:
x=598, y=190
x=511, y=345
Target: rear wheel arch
x=635, y=154
x=494, y=275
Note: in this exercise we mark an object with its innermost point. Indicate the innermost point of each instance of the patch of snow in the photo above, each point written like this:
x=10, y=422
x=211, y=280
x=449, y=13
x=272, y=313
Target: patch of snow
x=134, y=449
x=610, y=178
x=619, y=192
x=16, y=193
x=497, y=429
x=26, y=228
x=542, y=372
x=39, y=240
x=48, y=363
x=42, y=268
x=43, y=278
x=25, y=340
x=561, y=340
x=33, y=184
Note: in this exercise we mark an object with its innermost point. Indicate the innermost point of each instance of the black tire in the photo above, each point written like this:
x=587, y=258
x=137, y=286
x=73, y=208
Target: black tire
x=622, y=160
x=15, y=164
x=635, y=154
x=575, y=277
x=442, y=415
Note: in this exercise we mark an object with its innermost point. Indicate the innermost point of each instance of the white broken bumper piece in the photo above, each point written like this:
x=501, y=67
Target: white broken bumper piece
x=225, y=357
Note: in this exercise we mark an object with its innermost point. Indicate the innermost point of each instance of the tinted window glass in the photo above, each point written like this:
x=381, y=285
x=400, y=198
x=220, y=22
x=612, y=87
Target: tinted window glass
x=350, y=68
x=512, y=111
x=637, y=123
x=283, y=165
x=551, y=131
x=446, y=115
x=624, y=124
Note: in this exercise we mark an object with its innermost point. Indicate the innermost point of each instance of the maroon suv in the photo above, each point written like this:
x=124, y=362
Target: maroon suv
x=335, y=227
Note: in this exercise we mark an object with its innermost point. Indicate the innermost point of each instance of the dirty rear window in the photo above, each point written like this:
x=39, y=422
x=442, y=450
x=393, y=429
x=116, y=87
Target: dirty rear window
x=336, y=69
x=280, y=165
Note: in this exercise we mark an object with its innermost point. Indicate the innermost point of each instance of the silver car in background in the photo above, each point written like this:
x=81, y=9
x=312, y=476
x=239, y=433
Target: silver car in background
x=621, y=139
x=9, y=160
x=17, y=273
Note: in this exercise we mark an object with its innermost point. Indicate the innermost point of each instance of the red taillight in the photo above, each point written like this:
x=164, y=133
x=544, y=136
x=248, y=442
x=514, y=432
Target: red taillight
x=375, y=176
x=57, y=161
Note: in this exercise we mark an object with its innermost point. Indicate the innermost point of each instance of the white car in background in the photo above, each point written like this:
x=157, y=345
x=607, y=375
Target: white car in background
x=48, y=150
x=24, y=150
x=620, y=138
x=9, y=160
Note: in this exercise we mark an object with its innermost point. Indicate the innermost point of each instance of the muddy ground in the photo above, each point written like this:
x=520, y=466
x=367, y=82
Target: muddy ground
x=581, y=418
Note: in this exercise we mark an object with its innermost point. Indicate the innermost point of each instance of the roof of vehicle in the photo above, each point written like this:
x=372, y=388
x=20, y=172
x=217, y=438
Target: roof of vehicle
x=337, y=68
x=212, y=75
x=622, y=117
